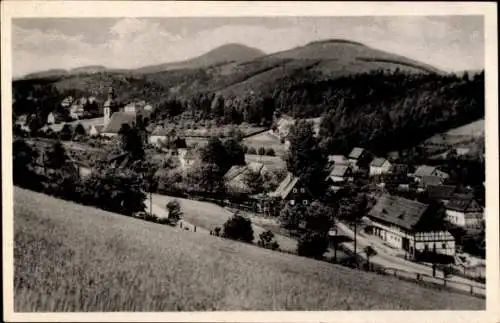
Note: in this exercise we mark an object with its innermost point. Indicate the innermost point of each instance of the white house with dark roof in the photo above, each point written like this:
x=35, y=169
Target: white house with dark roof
x=396, y=221
x=429, y=171
x=464, y=211
x=380, y=166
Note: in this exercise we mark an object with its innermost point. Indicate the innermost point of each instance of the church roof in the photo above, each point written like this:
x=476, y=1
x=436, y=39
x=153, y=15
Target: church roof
x=117, y=120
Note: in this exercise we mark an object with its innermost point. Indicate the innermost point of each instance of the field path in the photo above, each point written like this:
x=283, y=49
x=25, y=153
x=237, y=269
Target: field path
x=209, y=216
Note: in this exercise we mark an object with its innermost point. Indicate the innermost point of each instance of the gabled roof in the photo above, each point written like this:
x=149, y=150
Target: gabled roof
x=463, y=203
x=356, y=152
x=424, y=170
x=234, y=171
x=378, y=162
x=440, y=192
x=398, y=211
x=339, y=171
x=285, y=186
x=117, y=120
x=338, y=159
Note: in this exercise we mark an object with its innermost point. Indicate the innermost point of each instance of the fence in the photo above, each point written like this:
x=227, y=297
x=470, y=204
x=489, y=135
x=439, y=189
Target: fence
x=422, y=279
x=475, y=290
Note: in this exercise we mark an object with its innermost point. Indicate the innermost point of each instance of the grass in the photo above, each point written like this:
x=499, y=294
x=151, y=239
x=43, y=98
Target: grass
x=208, y=216
x=69, y=257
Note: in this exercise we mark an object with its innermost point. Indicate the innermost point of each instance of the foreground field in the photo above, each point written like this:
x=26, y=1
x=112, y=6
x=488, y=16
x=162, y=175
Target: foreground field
x=69, y=257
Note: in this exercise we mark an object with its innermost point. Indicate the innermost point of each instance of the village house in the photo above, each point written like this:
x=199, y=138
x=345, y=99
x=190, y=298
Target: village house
x=292, y=190
x=400, y=170
x=396, y=221
x=358, y=157
x=236, y=176
x=464, y=211
x=66, y=103
x=339, y=174
x=379, y=166
x=187, y=158
x=51, y=119
x=76, y=110
x=429, y=171
x=337, y=160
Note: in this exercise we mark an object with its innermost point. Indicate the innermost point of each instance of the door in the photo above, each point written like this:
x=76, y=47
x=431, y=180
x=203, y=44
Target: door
x=406, y=244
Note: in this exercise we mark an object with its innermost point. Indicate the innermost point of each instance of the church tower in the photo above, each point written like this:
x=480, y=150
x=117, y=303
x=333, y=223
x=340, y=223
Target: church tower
x=109, y=106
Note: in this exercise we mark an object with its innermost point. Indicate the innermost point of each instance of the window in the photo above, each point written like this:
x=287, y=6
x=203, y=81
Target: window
x=443, y=246
x=292, y=202
x=305, y=202
x=294, y=190
x=302, y=190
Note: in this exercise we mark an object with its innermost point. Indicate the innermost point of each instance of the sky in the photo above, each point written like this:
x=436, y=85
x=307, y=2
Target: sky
x=450, y=43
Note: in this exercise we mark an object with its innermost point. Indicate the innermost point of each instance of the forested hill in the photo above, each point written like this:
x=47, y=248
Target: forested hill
x=368, y=97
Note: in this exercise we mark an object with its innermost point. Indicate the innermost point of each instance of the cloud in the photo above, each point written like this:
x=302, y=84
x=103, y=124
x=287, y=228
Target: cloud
x=133, y=42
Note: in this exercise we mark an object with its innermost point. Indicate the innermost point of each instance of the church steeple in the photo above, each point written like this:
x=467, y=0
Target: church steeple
x=109, y=106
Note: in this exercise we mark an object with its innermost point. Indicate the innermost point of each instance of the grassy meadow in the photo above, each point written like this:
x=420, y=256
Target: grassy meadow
x=69, y=257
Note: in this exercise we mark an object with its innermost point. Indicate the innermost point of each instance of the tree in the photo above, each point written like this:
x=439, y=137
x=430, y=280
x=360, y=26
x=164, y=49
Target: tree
x=266, y=240
x=23, y=165
x=238, y=228
x=270, y=152
x=131, y=142
x=174, y=212
x=313, y=245
x=254, y=181
x=115, y=190
x=214, y=152
x=251, y=151
x=369, y=252
x=210, y=179
x=79, y=130
x=319, y=217
x=66, y=132
x=305, y=159
x=234, y=151
x=291, y=216
x=56, y=156
x=262, y=151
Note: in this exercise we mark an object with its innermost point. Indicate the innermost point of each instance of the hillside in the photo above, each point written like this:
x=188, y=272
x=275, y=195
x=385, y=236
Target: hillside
x=223, y=54
x=70, y=257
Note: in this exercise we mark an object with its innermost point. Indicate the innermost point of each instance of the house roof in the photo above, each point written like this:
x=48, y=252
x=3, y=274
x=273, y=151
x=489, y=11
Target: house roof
x=463, y=203
x=440, y=192
x=339, y=171
x=424, y=170
x=117, y=120
x=271, y=162
x=378, y=162
x=236, y=174
x=356, y=152
x=398, y=211
x=431, y=180
x=285, y=186
x=337, y=159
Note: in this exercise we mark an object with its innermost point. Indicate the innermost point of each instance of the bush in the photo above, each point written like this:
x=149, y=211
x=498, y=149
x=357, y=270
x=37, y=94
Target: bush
x=270, y=152
x=252, y=151
x=238, y=228
x=262, y=151
x=266, y=240
x=174, y=212
x=217, y=231
x=313, y=245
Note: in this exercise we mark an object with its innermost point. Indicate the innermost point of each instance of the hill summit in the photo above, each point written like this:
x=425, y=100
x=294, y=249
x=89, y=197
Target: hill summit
x=227, y=53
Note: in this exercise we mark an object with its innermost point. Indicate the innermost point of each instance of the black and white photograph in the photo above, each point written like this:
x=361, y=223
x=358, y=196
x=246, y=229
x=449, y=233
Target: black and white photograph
x=281, y=163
